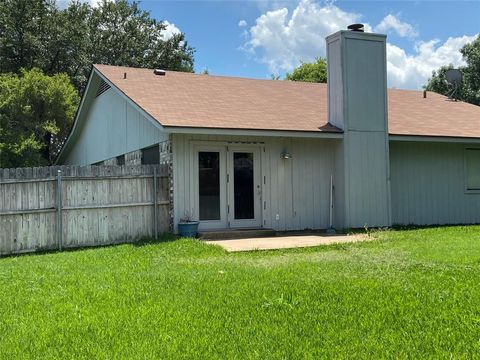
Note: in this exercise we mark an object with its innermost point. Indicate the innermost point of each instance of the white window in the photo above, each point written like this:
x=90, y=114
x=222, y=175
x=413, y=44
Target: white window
x=472, y=164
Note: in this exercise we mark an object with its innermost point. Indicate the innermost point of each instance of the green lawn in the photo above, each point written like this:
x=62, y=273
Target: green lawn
x=408, y=294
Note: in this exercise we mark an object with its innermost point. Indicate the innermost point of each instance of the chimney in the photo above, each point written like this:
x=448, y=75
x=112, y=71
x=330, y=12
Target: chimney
x=357, y=104
x=357, y=90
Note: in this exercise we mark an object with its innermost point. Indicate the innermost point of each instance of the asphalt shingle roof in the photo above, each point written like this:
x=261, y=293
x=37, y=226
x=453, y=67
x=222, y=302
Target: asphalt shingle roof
x=192, y=100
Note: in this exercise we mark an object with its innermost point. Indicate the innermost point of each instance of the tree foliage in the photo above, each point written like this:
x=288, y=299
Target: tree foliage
x=470, y=88
x=24, y=33
x=310, y=72
x=126, y=35
x=36, y=112
x=36, y=33
x=37, y=106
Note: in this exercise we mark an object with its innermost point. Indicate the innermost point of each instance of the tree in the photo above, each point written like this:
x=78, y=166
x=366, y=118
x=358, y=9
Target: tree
x=471, y=72
x=36, y=112
x=24, y=29
x=37, y=106
x=470, y=88
x=124, y=34
x=36, y=33
x=68, y=48
x=310, y=72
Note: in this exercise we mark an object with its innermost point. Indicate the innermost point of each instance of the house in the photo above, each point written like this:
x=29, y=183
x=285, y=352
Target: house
x=248, y=153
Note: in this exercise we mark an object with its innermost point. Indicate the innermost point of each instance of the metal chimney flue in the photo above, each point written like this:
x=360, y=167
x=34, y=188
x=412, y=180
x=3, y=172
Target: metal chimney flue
x=356, y=27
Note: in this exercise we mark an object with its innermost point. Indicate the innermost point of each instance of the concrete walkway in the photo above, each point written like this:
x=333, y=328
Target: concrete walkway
x=285, y=242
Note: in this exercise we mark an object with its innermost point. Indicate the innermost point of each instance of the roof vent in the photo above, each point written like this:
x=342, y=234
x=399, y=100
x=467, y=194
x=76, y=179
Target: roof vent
x=102, y=88
x=356, y=27
x=159, y=72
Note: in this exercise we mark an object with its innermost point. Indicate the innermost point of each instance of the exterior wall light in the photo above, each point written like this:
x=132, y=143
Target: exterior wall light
x=285, y=155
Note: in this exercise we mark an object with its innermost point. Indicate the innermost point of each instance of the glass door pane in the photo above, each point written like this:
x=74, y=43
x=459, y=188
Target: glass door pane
x=209, y=185
x=243, y=183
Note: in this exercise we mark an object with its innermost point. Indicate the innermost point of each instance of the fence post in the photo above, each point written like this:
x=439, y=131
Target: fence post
x=155, y=227
x=59, y=210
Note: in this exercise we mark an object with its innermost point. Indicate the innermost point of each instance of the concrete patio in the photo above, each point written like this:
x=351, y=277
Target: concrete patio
x=286, y=242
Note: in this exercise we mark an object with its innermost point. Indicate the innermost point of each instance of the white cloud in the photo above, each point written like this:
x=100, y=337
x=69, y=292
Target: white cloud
x=63, y=4
x=170, y=30
x=94, y=3
x=402, y=29
x=242, y=23
x=281, y=41
x=412, y=71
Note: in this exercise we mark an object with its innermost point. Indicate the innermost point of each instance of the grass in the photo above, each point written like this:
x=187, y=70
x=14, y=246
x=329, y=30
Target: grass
x=409, y=294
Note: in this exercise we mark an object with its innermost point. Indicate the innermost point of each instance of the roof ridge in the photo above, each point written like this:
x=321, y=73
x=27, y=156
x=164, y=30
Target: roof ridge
x=213, y=75
x=297, y=83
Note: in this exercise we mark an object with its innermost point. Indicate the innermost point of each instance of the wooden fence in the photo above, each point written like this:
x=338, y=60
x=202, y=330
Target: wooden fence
x=70, y=206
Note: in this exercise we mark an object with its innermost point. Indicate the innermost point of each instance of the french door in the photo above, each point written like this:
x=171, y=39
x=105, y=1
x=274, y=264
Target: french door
x=228, y=191
x=244, y=187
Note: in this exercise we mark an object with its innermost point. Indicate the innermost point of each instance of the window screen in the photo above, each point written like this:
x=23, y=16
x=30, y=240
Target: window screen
x=472, y=160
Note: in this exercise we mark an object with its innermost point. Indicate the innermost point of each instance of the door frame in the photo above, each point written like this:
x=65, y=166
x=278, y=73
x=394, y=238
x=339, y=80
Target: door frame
x=257, y=186
x=222, y=223
x=225, y=149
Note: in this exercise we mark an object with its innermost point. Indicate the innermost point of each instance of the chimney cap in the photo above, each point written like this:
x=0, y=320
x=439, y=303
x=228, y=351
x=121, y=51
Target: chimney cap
x=356, y=27
x=159, y=72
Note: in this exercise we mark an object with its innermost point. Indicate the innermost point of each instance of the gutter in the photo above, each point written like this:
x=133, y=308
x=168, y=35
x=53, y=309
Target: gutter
x=253, y=132
x=434, y=138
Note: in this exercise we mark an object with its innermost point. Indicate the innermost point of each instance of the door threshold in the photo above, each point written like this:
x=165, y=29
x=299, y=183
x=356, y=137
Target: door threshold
x=229, y=234
x=236, y=229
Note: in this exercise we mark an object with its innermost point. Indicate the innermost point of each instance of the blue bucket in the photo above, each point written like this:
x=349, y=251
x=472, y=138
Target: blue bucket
x=188, y=229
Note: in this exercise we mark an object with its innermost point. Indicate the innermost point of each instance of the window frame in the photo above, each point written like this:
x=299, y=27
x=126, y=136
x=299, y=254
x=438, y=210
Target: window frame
x=467, y=190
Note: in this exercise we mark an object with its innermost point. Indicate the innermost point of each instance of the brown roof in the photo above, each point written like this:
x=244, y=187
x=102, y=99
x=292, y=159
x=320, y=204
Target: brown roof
x=205, y=101
x=410, y=114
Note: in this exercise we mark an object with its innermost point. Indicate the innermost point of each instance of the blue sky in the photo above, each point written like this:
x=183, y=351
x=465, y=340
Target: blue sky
x=258, y=38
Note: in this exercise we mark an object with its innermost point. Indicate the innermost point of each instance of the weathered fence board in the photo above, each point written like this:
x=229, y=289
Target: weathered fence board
x=100, y=205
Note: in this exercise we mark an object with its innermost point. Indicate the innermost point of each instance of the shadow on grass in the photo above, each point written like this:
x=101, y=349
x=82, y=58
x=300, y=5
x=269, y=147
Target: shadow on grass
x=397, y=227
x=143, y=241
x=413, y=227
x=170, y=238
x=147, y=240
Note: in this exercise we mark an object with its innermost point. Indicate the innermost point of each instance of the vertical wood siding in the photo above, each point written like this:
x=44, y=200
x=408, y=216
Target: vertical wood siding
x=428, y=184
x=112, y=127
x=296, y=189
x=366, y=179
